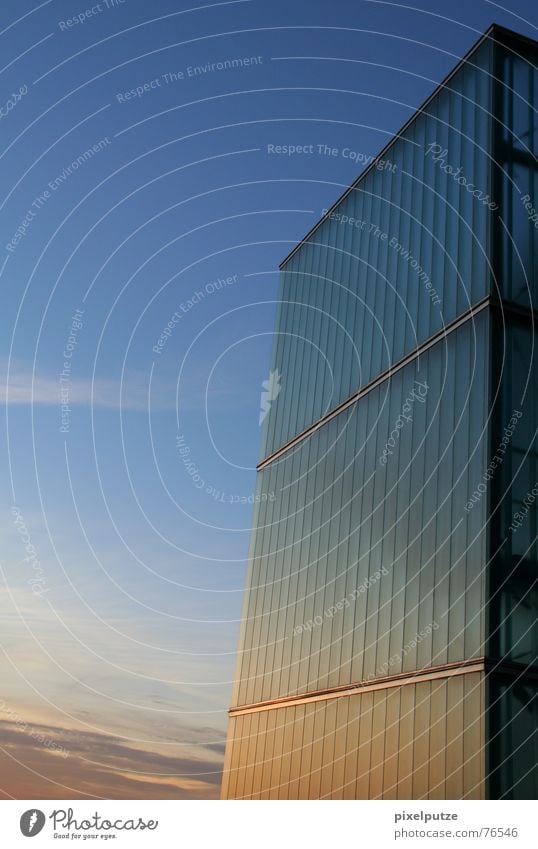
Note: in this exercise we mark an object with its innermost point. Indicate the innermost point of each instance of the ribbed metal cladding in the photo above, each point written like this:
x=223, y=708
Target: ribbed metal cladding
x=357, y=297
x=378, y=745
x=367, y=563
x=382, y=538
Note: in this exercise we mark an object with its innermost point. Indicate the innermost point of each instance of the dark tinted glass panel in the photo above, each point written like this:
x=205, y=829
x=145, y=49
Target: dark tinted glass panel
x=516, y=149
x=513, y=745
x=514, y=468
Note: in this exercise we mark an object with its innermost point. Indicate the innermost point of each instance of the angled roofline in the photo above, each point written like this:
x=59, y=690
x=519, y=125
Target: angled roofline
x=497, y=29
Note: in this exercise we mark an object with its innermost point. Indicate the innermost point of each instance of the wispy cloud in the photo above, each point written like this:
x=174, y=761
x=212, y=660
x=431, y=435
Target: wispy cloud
x=100, y=766
x=20, y=386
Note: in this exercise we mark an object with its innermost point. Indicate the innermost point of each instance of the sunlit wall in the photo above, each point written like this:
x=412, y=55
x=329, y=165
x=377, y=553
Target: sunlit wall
x=390, y=614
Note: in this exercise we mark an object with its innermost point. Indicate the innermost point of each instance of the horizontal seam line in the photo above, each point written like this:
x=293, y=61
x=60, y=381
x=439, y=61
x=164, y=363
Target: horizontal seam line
x=447, y=670
x=377, y=381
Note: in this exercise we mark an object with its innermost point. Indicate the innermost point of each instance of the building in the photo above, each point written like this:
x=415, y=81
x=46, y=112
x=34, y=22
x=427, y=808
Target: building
x=389, y=646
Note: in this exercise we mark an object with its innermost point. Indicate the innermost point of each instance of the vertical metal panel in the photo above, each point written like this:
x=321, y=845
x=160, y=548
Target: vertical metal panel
x=394, y=743
x=361, y=292
x=358, y=580
x=338, y=790
x=454, y=740
x=438, y=740
x=362, y=569
x=421, y=740
x=473, y=739
x=377, y=753
x=406, y=738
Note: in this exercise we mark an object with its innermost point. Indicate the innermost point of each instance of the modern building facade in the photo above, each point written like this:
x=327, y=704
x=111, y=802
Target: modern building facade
x=389, y=645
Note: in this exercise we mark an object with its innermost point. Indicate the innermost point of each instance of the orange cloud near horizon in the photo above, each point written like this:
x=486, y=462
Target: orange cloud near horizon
x=48, y=762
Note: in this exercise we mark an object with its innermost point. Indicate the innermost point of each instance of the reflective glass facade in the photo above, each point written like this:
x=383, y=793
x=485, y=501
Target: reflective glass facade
x=418, y=741
x=389, y=646
x=344, y=519
x=402, y=254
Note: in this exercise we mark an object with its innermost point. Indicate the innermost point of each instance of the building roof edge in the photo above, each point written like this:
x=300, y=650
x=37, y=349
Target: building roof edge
x=493, y=28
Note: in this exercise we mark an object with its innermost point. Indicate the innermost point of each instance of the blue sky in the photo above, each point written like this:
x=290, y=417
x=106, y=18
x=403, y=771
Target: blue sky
x=177, y=208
